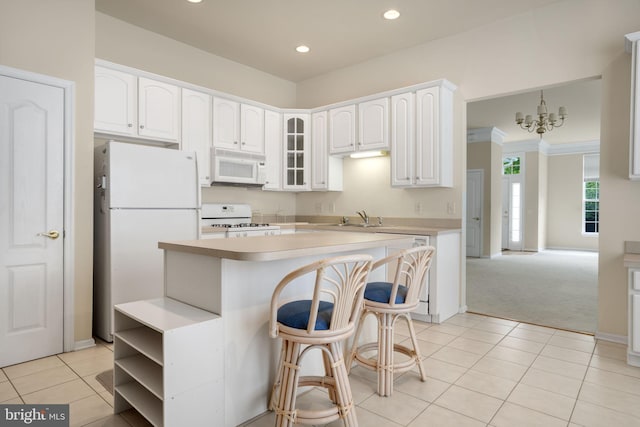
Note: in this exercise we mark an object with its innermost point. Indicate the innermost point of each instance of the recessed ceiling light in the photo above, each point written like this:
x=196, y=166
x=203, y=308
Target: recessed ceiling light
x=391, y=14
x=194, y=1
x=302, y=49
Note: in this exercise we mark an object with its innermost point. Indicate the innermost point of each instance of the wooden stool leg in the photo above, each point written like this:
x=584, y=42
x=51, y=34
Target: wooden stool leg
x=276, y=382
x=286, y=402
x=328, y=371
x=416, y=348
x=356, y=337
x=346, y=408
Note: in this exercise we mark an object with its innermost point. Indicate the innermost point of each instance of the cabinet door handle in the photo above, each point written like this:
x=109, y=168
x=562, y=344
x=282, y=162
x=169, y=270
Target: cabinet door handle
x=235, y=142
x=141, y=126
x=130, y=125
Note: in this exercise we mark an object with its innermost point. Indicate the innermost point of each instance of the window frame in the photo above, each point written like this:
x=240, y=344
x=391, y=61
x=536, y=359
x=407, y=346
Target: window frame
x=596, y=210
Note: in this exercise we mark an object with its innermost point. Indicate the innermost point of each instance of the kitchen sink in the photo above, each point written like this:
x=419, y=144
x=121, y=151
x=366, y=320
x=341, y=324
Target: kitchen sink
x=361, y=224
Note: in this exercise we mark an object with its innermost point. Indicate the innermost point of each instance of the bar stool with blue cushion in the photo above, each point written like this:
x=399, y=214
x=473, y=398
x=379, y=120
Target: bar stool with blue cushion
x=329, y=299
x=388, y=301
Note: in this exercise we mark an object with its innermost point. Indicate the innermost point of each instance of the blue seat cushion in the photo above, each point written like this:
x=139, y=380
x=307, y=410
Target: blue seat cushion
x=295, y=314
x=381, y=292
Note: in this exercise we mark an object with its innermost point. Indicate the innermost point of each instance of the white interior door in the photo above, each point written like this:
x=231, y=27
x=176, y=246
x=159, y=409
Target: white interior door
x=31, y=220
x=475, y=198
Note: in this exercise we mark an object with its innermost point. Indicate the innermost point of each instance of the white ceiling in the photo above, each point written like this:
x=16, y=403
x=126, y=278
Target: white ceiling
x=263, y=34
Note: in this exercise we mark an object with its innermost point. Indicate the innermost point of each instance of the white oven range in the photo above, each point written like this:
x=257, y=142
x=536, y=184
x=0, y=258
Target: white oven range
x=235, y=219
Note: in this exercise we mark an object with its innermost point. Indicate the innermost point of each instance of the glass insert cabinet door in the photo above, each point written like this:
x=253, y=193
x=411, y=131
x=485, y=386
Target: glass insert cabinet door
x=295, y=175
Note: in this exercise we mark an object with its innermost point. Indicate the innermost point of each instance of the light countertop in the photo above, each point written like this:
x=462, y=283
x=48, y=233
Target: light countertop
x=269, y=248
x=387, y=229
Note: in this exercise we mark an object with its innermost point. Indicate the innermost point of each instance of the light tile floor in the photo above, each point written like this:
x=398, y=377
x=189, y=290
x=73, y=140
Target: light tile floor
x=482, y=371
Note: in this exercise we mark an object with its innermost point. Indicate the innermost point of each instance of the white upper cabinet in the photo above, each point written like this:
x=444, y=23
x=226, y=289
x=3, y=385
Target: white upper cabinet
x=158, y=110
x=273, y=150
x=196, y=130
x=402, y=139
x=116, y=96
x=326, y=171
x=252, y=129
x=226, y=124
x=342, y=130
x=632, y=45
x=422, y=147
x=296, y=152
x=136, y=106
x=373, y=125
x=238, y=127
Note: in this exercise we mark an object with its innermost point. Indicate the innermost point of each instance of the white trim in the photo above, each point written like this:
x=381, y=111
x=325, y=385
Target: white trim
x=585, y=147
x=69, y=201
x=491, y=134
x=81, y=345
x=605, y=336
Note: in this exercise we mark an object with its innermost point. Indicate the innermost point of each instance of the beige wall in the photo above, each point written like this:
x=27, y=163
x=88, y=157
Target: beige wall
x=57, y=39
x=531, y=225
x=505, y=58
x=123, y=43
x=619, y=199
x=564, y=208
x=496, y=201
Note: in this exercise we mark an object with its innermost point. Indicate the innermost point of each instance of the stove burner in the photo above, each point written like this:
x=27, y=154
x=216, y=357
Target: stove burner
x=244, y=225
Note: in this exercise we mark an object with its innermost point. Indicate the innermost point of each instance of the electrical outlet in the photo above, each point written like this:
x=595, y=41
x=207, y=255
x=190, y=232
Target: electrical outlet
x=319, y=207
x=332, y=207
x=451, y=208
x=418, y=207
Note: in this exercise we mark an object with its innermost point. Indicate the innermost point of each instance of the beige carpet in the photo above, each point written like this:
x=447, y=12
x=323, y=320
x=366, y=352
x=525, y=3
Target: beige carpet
x=550, y=288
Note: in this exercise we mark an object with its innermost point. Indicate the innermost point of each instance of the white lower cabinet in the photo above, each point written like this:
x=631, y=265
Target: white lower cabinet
x=168, y=362
x=633, y=352
x=440, y=298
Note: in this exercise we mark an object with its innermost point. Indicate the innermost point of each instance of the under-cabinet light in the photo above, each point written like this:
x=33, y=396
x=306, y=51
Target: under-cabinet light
x=365, y=154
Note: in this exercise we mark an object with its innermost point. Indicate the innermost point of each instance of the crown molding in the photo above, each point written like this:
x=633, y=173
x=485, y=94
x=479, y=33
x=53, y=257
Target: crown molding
x=542, y=146
x=629, y=39
x=491, y=134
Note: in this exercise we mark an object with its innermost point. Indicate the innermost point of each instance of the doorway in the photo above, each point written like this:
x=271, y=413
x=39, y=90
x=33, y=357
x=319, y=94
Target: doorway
x=475, y=196
x=545, y=228
x=35, y=144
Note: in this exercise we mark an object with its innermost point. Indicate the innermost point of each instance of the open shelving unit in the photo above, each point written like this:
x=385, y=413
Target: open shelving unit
x=168, y=362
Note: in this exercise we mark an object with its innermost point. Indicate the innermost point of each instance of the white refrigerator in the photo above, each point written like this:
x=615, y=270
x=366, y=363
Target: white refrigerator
x=143, y=195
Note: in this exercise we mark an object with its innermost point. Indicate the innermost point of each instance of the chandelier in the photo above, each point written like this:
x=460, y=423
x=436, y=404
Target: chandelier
x=544, y=122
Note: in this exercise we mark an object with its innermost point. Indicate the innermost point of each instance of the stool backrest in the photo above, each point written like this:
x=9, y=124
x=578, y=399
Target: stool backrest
x=340, y=280
x=411, y=269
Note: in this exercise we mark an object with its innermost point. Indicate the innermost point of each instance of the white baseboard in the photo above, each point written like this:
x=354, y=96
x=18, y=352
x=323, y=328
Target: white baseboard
x=558, y=248
x=604, y=336
x=81, y=345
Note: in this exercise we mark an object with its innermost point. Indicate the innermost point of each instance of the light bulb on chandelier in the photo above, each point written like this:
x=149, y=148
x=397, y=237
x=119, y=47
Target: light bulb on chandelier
x=545, y=121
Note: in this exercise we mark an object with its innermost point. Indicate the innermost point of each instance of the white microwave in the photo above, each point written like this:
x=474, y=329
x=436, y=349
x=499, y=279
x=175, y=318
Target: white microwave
x=236, y=168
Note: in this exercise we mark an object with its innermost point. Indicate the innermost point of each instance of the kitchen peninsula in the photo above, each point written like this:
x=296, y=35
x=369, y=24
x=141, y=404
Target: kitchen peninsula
x=235, y=278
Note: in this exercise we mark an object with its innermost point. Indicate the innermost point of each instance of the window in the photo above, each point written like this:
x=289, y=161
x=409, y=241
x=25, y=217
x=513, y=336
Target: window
x=511, y=165
x=591, y=194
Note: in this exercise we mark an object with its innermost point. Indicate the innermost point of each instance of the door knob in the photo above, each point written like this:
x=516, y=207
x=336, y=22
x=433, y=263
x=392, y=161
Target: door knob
x=53, y=234
x=476, y=218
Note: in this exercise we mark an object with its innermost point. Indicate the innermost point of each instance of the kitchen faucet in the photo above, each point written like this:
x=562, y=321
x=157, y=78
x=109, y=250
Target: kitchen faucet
x=364, y=216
